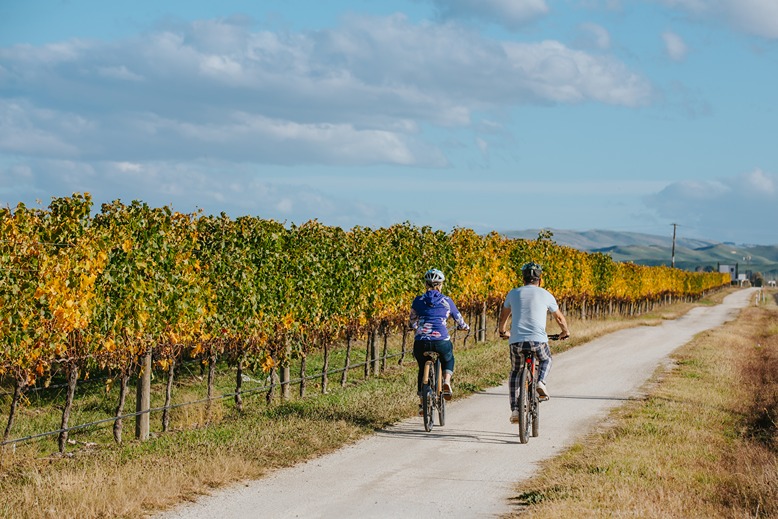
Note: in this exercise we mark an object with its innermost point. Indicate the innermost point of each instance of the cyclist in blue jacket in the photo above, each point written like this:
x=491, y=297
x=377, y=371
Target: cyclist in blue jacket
x=429, y=315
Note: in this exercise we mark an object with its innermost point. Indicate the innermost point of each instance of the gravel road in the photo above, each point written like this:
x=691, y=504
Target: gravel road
x=469, y=467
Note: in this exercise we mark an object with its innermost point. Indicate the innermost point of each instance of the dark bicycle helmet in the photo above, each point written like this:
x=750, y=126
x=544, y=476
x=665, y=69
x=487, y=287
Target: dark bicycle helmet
x=434, y=276
x=531, y=271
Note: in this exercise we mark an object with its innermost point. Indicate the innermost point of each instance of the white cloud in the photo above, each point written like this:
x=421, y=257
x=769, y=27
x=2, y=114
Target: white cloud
x=121, y=72
x=674, y=46
x=512, y=14
x=593, y=36
x=212, y=186
x=551, y=71
x=730, y=207
x=359, y=94
x=756, y=17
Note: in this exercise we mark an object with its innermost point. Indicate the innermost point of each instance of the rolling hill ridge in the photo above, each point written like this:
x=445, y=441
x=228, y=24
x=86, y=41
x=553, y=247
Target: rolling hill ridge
x=648, y=249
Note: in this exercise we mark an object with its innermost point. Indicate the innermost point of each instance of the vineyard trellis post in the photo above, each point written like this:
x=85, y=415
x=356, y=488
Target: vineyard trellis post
x=303, y=363
x=143, y=400
x=238, y=385
x=326, y=366
x=285, y=373
x=374, y=364
x=386, y=348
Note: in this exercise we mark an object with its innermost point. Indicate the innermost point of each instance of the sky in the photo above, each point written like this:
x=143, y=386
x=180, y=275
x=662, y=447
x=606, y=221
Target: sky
x=493, y=115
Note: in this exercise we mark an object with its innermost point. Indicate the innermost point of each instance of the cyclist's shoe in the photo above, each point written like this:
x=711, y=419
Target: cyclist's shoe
x=421, y=410
x=542, y=392
x=447, y=391
x=515, y=416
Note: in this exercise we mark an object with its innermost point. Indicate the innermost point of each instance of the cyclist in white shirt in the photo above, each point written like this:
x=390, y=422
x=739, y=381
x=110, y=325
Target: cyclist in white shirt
x=529, y=305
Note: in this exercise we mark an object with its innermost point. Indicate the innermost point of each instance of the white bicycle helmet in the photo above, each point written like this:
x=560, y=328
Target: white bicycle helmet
x=434, y=276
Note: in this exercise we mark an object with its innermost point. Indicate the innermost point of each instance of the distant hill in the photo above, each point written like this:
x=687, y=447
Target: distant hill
x=648, y=249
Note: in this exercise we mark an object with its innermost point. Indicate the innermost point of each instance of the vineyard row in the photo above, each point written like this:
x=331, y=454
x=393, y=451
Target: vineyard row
x=82, y=291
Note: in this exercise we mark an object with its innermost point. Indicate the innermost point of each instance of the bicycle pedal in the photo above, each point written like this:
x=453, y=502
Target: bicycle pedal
x=543, y=398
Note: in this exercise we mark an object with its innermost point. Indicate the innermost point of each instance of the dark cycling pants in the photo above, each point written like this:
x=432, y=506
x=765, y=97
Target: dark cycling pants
x=445, y=350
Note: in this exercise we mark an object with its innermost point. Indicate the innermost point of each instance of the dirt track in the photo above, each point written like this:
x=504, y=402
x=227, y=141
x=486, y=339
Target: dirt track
x=469, y=467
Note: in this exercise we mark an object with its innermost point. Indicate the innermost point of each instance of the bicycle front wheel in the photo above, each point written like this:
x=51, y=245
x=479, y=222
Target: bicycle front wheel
x=523, y=406
x=441, y=401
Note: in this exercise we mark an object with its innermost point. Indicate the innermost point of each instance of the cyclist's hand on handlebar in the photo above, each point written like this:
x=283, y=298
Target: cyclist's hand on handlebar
x=505, y=335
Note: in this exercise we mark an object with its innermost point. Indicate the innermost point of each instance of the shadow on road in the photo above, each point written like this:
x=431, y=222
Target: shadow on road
x=415, y=431
x=569, y=397
x=594, y=397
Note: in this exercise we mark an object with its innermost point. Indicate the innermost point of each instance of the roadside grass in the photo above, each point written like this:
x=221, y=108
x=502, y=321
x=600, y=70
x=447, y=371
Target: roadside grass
x=97, y=478
x=704, y=443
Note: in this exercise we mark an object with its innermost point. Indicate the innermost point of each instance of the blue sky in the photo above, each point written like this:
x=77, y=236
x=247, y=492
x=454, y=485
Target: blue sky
x=626, y=115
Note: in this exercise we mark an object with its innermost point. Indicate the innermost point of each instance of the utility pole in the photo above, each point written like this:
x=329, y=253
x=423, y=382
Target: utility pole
x=673, y=260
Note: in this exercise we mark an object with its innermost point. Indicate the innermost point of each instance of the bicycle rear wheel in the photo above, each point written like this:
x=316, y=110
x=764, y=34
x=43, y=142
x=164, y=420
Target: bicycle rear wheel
x=535, y=410
x=523, y=406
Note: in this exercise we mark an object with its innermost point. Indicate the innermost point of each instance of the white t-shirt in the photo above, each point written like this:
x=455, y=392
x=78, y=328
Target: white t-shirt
x=529, y=305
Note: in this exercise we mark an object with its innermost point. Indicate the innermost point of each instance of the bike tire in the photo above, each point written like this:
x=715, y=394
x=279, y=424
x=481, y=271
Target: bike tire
x=428, y=399
x=535, y=411
x=427, y=406
x=523, y=406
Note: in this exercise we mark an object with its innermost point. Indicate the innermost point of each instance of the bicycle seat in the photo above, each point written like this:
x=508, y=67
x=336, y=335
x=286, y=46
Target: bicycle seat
x=432, y=354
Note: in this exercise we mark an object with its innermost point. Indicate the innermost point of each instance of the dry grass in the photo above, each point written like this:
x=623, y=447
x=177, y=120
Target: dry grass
x=100, y=479
x=689, y=450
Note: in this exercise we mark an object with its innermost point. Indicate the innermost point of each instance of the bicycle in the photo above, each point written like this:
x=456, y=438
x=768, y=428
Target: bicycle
x=432, y=391
x=527, y=399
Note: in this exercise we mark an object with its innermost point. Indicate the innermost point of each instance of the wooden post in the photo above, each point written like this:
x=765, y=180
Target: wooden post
x=285, y=374
x=367, y=353
x=481, y=336
x=302, y=376
x=143, y=400
x=284, y=381
x=374, y=365
x=386, y=349
x=326, y=367
x=238, y=385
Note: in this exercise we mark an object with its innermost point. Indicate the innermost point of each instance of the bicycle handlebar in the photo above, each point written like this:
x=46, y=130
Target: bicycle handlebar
x=551, y=337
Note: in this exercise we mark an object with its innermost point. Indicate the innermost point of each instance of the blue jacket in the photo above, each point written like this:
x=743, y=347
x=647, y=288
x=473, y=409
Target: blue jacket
x=429, y=314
